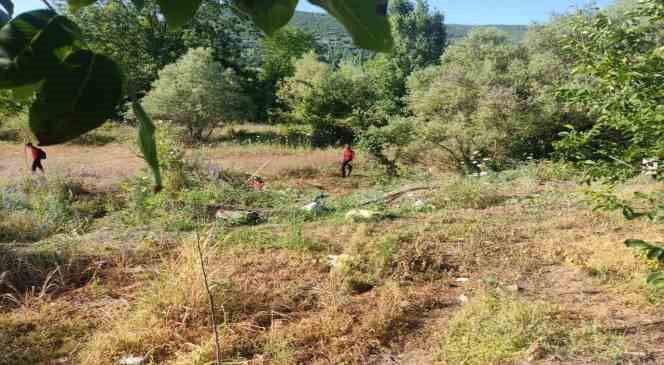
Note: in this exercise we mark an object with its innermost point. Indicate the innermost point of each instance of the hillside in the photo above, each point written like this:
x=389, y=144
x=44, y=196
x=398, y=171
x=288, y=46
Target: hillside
x=331, y=34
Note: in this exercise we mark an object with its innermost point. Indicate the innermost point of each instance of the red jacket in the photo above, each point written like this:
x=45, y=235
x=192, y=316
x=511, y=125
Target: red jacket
x=37, y=153
x=349, y=154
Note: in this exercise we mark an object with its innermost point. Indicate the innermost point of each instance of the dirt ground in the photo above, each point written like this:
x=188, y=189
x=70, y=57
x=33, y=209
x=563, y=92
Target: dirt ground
x=104, y=166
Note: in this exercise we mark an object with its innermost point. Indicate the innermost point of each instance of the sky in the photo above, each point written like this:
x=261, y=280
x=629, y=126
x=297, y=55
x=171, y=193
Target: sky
x=457, y=11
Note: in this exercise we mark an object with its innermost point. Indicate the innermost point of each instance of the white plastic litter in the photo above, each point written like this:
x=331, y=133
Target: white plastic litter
x=132, y=360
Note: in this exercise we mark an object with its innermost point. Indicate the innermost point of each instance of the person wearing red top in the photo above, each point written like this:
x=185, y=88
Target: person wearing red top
x=349, y=156
x=256, y=182
x=37, y=155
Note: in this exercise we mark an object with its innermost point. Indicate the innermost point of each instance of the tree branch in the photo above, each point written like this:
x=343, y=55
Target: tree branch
x=49, y=6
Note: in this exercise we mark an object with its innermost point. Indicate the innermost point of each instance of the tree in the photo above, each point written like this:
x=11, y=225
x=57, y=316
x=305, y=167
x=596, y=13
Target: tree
x=419, y=34
x=232, y=39
x=468, y=105
x=385, y=143
x=197, y=93
x=323, y=98
x=419, y=41
x=624, y=60
x=277, y=54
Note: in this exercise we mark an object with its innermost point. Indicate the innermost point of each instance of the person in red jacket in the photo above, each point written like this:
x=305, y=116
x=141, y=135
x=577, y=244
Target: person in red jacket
x=37, y=155
x=349, y=156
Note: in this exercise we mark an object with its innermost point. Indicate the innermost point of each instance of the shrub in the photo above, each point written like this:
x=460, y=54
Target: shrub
x=333, y=102
x=386, y=143
x=469, y=192
x=197, y=93
x=33, y=209
x=624, y=59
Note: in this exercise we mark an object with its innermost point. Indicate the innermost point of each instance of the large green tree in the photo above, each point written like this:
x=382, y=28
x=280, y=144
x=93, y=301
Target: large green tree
x=197, y=93
x=277, y=55
x=419, y=34
x=624, y=61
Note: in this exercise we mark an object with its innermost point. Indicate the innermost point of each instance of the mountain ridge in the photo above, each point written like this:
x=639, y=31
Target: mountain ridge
x=329, y=32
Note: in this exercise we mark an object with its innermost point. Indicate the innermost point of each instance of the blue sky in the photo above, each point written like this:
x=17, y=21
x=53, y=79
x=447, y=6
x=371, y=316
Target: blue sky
x=458, y=11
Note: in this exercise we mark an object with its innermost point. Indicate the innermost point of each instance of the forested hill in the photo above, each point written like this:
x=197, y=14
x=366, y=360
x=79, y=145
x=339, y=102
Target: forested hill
x=330, y=33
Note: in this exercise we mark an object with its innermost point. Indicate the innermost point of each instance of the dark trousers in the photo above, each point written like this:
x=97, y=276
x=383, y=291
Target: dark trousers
x=36, y=164
x=346, y=168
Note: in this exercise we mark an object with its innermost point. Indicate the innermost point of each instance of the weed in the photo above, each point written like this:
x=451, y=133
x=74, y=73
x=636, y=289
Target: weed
x=177, y=298
x=469, y=192
x=495, y=328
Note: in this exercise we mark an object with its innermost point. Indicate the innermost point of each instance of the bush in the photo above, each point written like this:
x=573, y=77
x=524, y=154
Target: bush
x=197, y=93
x=493, y=99
x=624, y=59
x=333, y=102
x=385, y=144
x=33, y=209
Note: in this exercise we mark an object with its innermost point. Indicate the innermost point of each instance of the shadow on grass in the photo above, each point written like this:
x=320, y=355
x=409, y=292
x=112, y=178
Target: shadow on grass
x=40, y=270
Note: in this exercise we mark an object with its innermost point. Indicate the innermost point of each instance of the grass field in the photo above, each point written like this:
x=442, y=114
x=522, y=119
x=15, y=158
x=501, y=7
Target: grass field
x=507, y=268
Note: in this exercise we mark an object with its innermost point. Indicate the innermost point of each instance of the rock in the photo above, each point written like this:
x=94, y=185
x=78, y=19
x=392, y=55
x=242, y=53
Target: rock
x=132, y=360
x=315, y=207
x=463, y=299
x=339, y=262
x=332, y=260
x=238, y=216
x=514, y=288
x=461, y=280
x=359, y=215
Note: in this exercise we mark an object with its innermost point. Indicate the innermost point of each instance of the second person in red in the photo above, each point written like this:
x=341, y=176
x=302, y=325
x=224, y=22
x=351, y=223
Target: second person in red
x=349, y=156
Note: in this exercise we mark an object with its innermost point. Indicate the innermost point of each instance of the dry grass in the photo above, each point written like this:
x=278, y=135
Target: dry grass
x=498, y=329
x=393, y=293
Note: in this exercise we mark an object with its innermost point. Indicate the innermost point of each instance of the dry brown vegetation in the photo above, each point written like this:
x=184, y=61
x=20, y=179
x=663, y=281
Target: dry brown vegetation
x=495, y=270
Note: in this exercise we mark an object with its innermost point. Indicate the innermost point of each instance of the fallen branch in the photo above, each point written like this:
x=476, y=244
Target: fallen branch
x=392, y=196
x=214, y=208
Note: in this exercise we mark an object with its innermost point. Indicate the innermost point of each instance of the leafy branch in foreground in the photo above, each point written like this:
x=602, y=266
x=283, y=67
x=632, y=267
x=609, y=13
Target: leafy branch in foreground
x=77, y=90
x=652, y=208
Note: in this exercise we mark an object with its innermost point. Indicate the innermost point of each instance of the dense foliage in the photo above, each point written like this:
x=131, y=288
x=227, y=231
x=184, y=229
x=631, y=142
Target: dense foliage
x=199, y=94
x=624, y=58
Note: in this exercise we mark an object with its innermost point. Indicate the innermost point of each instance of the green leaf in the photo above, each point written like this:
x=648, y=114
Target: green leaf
x=78, y=99
x=178, y=12
x=637, y=244
x=146, y=142
x=269, y=15
x=4, y=18
x=75, y=5
x=33, y=45
x=366, y=20
x=139, y=4
x=51, y=46
x=656, y=253
x=656, y=279
x=17, y=35
x=9, y=7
